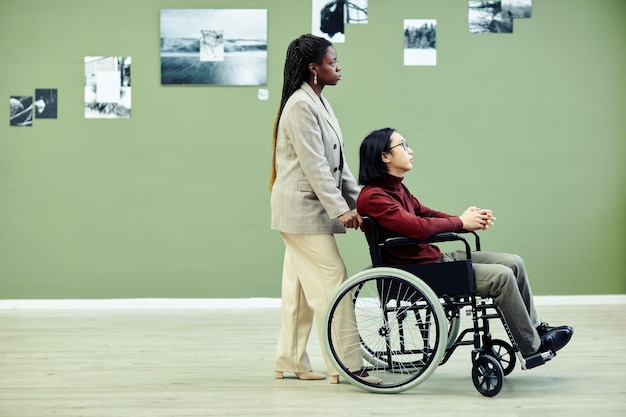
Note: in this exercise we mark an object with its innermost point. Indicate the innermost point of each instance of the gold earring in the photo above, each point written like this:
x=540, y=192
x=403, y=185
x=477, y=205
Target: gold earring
x=315, y=78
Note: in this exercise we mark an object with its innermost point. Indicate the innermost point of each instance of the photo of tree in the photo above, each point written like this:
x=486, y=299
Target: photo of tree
x=214, y=46
x=420, y=42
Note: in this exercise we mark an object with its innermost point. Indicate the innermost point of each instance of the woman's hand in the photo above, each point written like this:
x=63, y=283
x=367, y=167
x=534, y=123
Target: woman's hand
x=351, y=220
x=475, y=218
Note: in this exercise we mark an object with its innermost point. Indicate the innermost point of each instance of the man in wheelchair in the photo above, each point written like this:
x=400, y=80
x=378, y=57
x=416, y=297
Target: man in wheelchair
x=385, y=157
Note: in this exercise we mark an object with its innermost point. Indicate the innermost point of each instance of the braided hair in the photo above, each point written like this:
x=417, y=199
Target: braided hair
x=300, y=53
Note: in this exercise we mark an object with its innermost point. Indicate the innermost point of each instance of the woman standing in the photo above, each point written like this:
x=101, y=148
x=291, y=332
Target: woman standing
x=313, y=196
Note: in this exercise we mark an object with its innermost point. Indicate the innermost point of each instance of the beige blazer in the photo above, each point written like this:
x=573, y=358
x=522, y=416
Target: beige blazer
x=313, y=184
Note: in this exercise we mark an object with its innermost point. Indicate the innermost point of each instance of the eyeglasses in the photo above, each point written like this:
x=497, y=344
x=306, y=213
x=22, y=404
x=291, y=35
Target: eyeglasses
x=404, y=145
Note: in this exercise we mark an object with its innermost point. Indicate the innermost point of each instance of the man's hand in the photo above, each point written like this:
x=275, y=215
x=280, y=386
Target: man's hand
x=475, y=218
x=351, y=220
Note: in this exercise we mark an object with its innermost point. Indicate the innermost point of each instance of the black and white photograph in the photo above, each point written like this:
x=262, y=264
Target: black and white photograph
x=107, y=87
x=488, y=17
x=214, y=46
x=46, y=103
x=518, y=9
x=21, y=111
x=420, y=42
x=356, y=12
x=329, y=17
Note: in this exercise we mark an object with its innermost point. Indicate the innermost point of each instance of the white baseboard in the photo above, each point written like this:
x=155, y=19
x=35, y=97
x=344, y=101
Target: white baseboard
x=242, y=303
x=141, y=304
x=557, y=300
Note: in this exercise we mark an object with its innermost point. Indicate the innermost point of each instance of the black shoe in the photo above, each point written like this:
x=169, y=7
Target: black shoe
x=544, y=328
x=556, y=338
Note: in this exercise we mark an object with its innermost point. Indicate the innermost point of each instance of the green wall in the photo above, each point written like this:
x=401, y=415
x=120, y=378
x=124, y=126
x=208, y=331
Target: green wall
x=173, y=202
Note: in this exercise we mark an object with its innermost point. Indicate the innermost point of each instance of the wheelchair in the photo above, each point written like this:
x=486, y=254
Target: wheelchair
x=408, y=321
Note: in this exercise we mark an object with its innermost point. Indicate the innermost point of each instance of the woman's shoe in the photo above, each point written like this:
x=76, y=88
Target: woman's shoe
x=306, y=376
x=334, y=379
x=310, y=376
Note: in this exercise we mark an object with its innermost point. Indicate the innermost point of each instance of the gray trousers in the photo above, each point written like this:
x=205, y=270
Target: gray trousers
x=502, y=276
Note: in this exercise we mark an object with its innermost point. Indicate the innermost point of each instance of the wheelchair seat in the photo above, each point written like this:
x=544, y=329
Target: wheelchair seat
x=445, y=278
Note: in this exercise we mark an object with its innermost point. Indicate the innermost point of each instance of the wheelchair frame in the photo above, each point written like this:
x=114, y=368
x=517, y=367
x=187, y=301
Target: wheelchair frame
x=408, y=321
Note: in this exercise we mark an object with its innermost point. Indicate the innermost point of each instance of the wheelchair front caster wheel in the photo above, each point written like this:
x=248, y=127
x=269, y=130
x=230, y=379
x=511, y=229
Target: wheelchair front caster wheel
x=487, y=375
x=505, y=354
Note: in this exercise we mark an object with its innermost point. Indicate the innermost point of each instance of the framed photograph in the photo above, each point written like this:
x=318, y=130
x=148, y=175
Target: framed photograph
x=214, y=46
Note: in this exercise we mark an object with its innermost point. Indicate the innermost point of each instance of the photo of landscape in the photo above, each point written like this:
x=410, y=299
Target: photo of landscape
x=214, y=46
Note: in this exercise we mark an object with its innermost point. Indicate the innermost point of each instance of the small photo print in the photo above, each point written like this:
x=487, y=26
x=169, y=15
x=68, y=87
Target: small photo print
x=328, y=19
x=356, y=12
x=46, y=103
x=420, y=42
x=518, y=8
x=488, y=17
x=21, y=111
x=107, y=87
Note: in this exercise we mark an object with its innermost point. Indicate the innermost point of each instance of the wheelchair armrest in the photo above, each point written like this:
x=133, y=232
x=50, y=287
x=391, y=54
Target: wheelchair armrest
x=476, y=237
x=439, y=237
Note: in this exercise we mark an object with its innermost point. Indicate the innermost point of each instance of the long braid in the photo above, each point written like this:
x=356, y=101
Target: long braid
x=300, y=53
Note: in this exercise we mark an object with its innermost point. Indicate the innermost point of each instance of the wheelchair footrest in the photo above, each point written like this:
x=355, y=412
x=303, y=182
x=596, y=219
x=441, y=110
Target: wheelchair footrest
x=537, y=359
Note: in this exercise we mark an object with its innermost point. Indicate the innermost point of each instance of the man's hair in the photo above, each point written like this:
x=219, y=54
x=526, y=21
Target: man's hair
x=372, y=168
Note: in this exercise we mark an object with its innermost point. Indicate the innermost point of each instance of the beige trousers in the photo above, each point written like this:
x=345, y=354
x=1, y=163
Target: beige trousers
x=312, y=271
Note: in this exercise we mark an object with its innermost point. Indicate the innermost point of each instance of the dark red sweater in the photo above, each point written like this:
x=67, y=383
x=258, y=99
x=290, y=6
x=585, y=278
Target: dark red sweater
x=399, y=213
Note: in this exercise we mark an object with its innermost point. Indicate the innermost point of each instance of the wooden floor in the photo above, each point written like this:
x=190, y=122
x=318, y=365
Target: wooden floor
x=183, y=363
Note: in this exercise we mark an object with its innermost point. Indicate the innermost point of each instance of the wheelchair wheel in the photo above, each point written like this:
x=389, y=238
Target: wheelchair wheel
x=487, y=375
x=392, y=319
x=504, y=353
